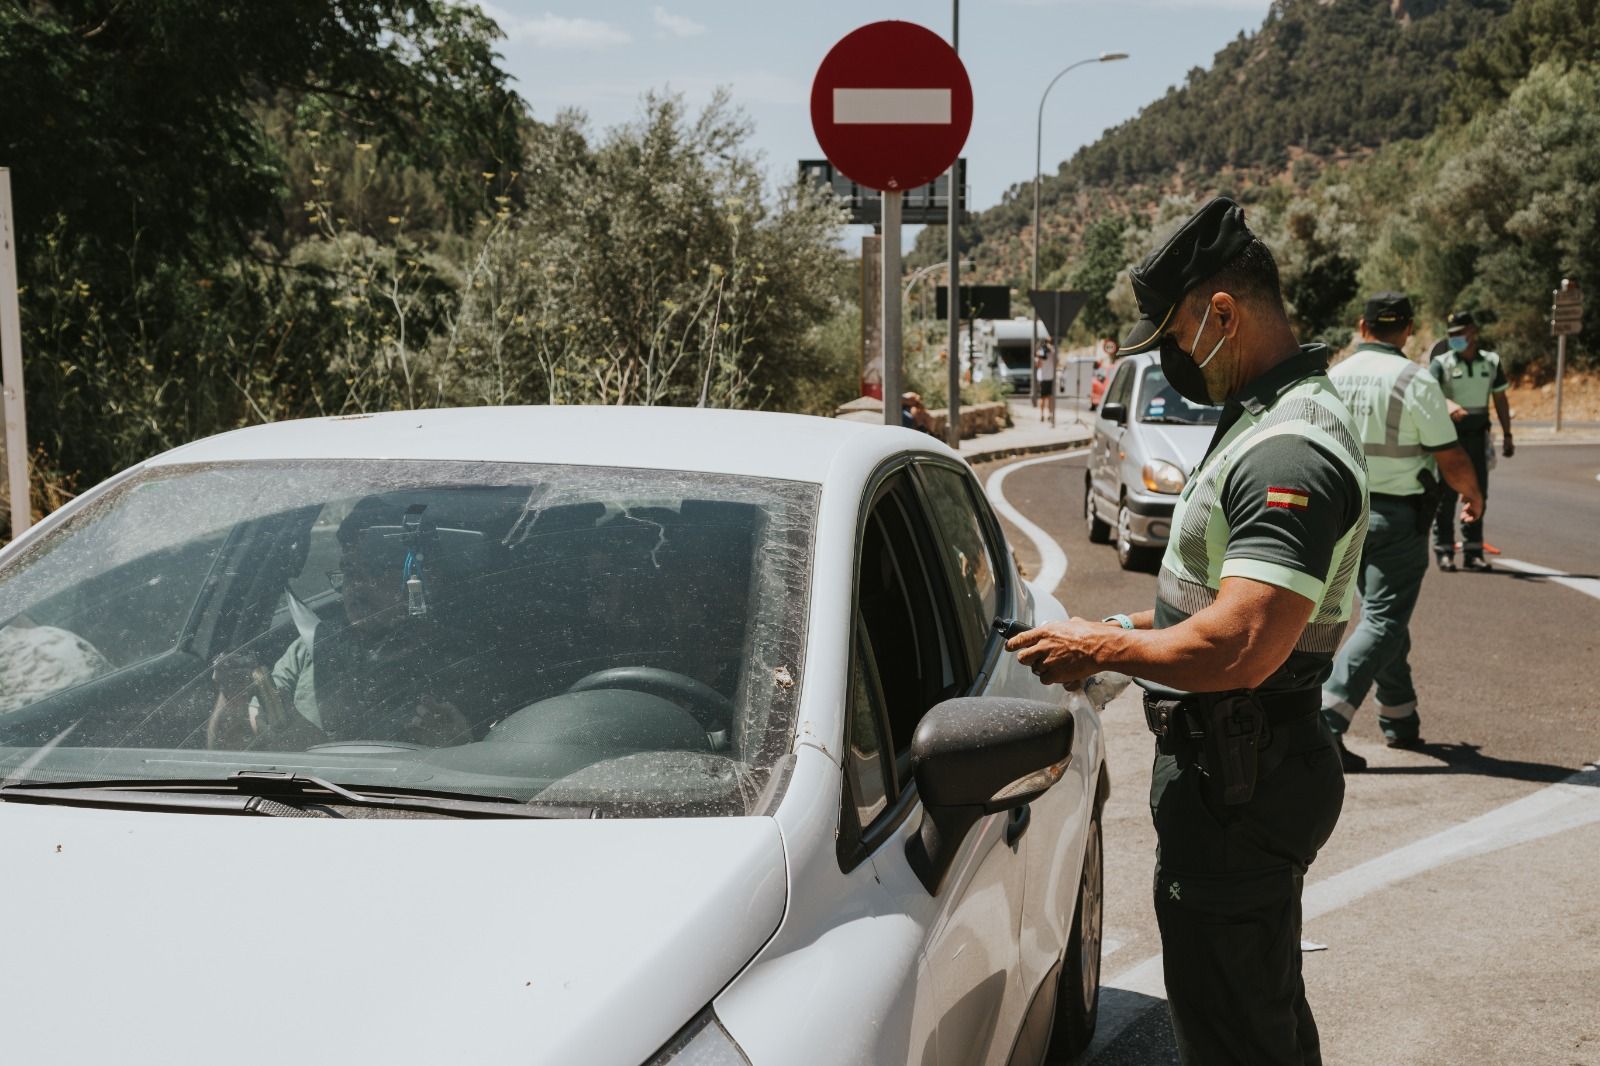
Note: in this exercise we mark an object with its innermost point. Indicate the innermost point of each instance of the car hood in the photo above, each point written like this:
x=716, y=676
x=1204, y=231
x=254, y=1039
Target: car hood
x=139, y=937
x=1183, y=446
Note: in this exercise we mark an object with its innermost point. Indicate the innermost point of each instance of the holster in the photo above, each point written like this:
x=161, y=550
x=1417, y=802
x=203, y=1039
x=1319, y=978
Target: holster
x=1428, y=502
x=1226, y=732
x=1236, y=733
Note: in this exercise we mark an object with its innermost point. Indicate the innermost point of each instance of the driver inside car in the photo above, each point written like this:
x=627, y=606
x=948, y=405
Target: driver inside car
x=382, y=676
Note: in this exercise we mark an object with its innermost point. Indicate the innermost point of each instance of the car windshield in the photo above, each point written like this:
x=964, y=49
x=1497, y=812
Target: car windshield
x=624, y=641
x=1160, y=402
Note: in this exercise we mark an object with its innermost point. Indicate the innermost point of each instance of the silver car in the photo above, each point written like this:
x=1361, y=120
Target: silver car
x=1147, y=440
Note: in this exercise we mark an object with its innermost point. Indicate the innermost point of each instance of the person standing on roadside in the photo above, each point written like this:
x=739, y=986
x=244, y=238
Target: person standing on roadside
x=1253, y=595
x=1044, y=368
x=1470, y=377
x=1405, y=430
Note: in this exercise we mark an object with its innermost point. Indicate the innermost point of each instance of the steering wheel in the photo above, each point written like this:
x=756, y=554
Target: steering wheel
x=710, y=708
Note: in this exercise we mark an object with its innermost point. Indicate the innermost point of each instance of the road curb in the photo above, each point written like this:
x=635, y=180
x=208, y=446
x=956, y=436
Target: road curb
x=1013, y=451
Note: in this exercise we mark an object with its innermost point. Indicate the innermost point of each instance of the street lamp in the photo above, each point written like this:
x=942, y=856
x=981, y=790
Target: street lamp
x=1038, y=166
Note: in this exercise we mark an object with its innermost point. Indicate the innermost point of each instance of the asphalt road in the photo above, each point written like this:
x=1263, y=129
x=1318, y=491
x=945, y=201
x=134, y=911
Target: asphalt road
x=1459, y=898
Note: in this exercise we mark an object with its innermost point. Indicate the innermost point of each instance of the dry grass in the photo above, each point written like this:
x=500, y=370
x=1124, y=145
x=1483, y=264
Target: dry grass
x=1580, y=399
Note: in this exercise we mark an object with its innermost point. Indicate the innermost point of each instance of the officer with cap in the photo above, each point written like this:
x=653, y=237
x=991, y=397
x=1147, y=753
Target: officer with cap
x=1470, y=377
x=1253, y=595
x=1405, y=430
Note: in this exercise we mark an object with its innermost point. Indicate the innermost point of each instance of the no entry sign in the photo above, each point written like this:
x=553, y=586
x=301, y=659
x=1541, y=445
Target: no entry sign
x=891, y=105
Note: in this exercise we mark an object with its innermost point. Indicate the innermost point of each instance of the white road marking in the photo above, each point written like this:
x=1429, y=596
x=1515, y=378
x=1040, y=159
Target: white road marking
x=898, y=107
x=1052, y=560
x=1587, y=585
x=1568, y=804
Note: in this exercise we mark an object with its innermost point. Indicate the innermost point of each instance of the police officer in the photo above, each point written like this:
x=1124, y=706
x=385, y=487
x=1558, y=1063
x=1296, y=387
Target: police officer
x=1405, y=430
x=1253, y=595
x=1470, y=377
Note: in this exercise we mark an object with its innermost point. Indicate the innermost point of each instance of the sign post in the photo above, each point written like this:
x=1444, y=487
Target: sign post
x=11, y=367
x=1566, y=319
x=958, y=178
x=891, y=105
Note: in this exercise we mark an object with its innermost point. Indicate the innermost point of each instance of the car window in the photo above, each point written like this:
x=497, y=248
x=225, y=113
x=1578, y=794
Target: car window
x=1160, y=402
x=868, y=762
x=902, y=601
x=623, y=640
x=971, y=565
x=1121, y=385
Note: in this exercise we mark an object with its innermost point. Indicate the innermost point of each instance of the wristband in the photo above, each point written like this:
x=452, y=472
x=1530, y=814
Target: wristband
x=1121, y=619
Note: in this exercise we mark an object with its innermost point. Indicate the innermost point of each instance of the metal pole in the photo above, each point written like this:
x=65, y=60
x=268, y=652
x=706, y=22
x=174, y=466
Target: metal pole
x=1561, y=370
x=16, y=434
x=952, y=427
x=892, y=298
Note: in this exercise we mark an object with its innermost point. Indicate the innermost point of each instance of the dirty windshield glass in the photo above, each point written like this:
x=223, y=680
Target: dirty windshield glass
x=623, y=640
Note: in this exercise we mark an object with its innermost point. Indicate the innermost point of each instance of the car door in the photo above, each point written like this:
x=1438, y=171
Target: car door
x=922, y=636
x=1048, y=834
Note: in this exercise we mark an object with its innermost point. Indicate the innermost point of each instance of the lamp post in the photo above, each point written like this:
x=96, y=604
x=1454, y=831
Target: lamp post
x=1038, y=166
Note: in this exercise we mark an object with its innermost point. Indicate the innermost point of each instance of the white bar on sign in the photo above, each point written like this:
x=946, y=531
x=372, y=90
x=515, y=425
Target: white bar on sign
x=899, y=107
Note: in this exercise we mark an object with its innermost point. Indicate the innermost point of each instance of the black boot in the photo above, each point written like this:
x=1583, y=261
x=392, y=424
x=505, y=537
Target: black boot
x=1447, y=561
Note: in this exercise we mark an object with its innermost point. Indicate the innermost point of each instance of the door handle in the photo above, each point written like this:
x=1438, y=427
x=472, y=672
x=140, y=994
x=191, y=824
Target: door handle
x=1018, y=824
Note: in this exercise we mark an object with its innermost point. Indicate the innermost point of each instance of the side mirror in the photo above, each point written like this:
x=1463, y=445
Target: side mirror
x=1115, y=412
x=976, y=756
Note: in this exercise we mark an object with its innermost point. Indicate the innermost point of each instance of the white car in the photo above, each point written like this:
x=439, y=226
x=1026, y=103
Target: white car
x=540, y=735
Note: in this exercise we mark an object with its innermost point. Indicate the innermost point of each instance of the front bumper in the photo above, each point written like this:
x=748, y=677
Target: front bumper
x=1150, y=519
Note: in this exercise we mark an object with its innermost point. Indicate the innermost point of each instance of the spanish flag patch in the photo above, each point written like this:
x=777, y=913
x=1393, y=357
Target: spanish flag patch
x=1294, y=499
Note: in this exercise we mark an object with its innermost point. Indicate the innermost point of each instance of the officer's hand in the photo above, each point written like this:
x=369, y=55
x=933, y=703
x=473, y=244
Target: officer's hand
x=1457, y=412
x=1508, y=449
x=1472, y=509
x=1060, y=653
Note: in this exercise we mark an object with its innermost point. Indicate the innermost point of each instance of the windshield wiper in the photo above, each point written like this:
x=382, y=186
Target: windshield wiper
x=257, y=791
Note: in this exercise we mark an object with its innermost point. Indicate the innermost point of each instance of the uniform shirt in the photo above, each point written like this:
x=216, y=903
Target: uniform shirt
x=1400, y=416
x=1280, y=498
x=1470, y=383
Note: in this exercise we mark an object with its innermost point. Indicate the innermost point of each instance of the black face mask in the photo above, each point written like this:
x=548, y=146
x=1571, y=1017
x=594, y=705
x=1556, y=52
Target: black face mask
x=1182, y=372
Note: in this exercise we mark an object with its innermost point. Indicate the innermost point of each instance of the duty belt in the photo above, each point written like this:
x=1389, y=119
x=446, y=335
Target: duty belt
x=1233, y=737
x=1186, y=715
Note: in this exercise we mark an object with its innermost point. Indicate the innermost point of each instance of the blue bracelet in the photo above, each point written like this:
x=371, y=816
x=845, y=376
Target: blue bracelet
x=1121, y=619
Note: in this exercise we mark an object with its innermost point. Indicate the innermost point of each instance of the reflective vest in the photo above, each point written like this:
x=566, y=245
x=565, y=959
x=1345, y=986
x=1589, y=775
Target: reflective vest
x=1192, y=569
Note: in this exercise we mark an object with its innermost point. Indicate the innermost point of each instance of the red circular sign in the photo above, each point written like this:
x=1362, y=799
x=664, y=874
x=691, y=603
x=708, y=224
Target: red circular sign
x=891, y=105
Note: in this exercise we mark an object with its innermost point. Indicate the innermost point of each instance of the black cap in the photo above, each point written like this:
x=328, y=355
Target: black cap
x=1388, y=309
x=1459, y=321
x=1201, y=247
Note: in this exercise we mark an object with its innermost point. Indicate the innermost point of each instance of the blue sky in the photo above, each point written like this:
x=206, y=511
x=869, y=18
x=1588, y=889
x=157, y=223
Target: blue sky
x=602, y=55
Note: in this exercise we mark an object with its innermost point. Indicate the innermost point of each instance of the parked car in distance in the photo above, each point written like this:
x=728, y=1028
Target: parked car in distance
x=581, y=735
x=1147, y=440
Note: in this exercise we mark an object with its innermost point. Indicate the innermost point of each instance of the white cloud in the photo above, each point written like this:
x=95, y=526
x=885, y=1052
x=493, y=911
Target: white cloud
x=676, y=25
x=557, y=31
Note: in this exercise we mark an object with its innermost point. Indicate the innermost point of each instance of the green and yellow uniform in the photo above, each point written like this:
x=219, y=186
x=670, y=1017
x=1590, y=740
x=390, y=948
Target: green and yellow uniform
x=1469, y=383
x=1280, y=498
x=1401, y=418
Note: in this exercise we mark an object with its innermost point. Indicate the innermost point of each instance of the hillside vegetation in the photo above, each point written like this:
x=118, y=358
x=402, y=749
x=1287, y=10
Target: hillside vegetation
x=1449, y=148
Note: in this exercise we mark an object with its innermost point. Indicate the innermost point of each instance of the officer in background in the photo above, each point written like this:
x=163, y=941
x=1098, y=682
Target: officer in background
x=1405, y=430
x=1470, y=376
x=1254, y=593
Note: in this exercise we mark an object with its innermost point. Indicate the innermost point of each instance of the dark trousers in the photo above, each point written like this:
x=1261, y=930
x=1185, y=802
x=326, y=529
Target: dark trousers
x=1227, y=898
x=1476, y=442
x=1394, y=559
